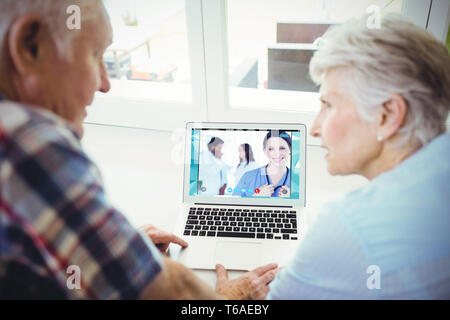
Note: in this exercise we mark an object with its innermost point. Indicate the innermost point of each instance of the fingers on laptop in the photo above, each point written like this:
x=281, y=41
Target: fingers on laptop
x=162, y=237
x=259, y=285
x=266, y=274
x=167, y=238
x=263, y=269
x=251, y=285
x=268, y=277
x=178, y=240
x=222, y=273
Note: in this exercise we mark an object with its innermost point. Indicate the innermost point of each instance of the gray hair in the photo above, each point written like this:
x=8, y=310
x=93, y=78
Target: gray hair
x=54, y=15
x=397, y=58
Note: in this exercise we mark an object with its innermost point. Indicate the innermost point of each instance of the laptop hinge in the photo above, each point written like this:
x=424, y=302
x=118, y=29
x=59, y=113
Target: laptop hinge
x=241, y=205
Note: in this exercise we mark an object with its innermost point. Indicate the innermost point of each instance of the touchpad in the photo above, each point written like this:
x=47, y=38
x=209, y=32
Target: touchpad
x=238, y=255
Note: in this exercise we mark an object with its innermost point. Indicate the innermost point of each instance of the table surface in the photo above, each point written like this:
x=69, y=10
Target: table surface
x=139, y=167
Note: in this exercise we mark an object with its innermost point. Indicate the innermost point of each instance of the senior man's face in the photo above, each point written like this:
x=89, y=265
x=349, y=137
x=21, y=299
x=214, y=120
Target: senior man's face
x=347, y=138
x=66, y=85
x=77, y=81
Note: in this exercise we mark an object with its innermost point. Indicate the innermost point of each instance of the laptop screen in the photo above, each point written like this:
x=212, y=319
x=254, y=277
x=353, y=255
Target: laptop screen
x=245, y=163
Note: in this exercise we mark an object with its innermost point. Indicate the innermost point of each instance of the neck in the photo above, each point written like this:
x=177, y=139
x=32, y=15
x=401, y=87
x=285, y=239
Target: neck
x=7, y=93
x=388, y=159
x=10, y=86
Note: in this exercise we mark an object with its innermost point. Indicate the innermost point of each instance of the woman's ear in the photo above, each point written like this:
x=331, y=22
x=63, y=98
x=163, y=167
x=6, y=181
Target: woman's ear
x=27, y=41
x=392, y=116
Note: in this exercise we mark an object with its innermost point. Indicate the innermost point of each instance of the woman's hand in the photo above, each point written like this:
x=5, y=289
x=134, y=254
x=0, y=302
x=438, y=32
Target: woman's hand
x=265, y=191
x=162, y=239
x=285, y=192
x=251, y=285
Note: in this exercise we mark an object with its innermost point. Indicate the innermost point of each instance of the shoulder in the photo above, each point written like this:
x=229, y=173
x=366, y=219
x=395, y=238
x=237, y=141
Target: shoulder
x=253, y=173
x=42, y=151
x=413, y=188
x=253, y=165
x=32, y=128
x=402, y=209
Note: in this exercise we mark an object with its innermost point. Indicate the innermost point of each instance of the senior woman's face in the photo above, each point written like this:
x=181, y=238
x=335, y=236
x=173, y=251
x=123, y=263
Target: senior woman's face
x=277, y=150
x=348, y=139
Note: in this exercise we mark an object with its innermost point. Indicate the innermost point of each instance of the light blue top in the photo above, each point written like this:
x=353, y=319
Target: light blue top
x=256, y=178
x=397, y=227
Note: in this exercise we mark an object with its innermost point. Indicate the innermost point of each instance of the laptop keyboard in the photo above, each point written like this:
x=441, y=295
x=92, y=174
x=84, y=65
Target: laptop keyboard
x=242, y=223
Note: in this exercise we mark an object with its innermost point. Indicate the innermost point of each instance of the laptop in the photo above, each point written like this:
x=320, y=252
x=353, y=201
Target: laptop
x=243, y=194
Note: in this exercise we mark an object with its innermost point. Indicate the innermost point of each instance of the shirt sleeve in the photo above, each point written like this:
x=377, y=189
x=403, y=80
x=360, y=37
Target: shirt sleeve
x=57, y=195
x=328, y=264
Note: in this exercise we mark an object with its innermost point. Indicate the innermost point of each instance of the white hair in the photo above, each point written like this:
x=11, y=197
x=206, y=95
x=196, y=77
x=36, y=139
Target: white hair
x=53, y=13
x=397, y=58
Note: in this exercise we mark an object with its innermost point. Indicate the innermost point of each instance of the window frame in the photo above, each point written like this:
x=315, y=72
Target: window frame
x=208, y=50
x=150, y=112
x=439, y=19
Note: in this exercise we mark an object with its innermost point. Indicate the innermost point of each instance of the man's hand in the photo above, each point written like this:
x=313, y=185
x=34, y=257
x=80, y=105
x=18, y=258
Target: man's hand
x=162, y=239
x=251, y=285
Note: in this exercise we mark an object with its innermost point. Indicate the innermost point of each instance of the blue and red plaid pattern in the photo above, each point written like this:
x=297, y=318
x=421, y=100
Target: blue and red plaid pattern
x=54, y=214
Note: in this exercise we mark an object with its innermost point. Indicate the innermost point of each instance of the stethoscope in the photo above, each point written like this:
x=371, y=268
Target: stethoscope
x=284, y=191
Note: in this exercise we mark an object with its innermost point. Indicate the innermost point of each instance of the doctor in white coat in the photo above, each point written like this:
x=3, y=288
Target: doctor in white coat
x=213, y=170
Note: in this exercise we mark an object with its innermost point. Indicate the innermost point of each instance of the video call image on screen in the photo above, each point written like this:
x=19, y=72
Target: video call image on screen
x=245, y=163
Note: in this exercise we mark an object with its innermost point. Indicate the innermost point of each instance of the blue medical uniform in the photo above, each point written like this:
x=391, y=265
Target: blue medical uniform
x=255, y=179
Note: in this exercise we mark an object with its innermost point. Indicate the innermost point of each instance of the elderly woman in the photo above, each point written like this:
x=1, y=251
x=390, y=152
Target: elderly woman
x=385, y=98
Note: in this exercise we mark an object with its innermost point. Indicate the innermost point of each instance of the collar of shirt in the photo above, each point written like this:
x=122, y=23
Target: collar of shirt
x=3, y=97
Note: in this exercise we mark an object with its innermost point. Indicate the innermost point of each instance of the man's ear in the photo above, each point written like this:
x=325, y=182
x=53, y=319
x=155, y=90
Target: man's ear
x=27, y=41
x=392, y=116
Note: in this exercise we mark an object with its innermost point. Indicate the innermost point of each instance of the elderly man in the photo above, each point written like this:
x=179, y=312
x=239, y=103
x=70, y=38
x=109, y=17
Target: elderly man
x=55, y=220
x=385, y=98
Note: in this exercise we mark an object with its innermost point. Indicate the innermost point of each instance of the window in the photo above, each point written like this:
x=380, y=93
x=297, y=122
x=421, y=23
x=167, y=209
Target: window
x=245, y=82
x=448, y=39
x=149, y=64
x=175, y=61
x=270, y=45
x=150, y=44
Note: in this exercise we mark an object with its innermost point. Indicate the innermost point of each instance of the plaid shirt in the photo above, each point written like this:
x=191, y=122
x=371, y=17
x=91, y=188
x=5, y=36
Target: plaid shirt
x=54, y=214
